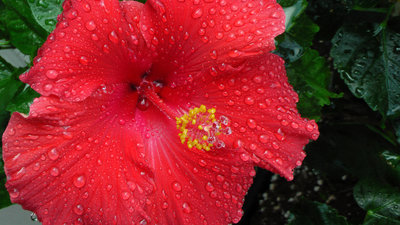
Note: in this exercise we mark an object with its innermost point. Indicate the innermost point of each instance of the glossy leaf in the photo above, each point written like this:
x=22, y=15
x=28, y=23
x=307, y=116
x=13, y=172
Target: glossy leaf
x=369, y=65
x=380, y=200
x=315, y=213
x=21, y=35
x=46, y=12
x=22, y=101
x=310, y=76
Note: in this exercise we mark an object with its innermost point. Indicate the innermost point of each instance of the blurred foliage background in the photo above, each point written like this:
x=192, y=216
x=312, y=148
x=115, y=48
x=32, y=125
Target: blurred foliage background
x=343, y=59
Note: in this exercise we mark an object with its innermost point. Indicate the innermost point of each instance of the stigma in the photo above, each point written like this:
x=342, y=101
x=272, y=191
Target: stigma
x=199, y=128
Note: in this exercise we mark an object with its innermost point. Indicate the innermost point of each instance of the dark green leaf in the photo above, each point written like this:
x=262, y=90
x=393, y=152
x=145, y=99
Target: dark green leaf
x=46, y=12
x=315, y=213
x=286, y=3
x=380, y=200
x=4, y=197
x=304, y=30
x=370, y=65
x=310, y=77
x=293, y=12
x=22, y=101
x=21, y=36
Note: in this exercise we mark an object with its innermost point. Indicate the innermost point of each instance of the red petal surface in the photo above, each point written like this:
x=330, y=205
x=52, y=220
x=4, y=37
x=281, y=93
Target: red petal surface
x=92, y=44
x=193, y=187
x=194, y=35
x=75, y=162
x=261, y=105
x=100, y=162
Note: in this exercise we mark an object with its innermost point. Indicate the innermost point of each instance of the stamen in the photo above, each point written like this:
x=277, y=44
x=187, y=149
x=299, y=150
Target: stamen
x=199, y=128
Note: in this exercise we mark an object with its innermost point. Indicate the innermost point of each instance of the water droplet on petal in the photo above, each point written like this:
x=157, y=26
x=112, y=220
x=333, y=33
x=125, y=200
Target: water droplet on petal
x=78, y=209
x=51, y=74
x=177, y=186
x=197, y=13
x=90, y=25
x=251, y=123
x=113, y=37
x=263, y=138
x=209, y=187
x=186, y=208
x=53, y=154
x=54, y=171
x=80, y=181
x=125, y=195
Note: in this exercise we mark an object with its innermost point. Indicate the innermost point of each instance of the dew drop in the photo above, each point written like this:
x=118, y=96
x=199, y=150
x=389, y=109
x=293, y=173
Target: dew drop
x=210, y=187
x=90, y=25
x=78, y=210
x=125, y=195
x=51, y=74
x=263, y=138
x=197, y=13
x=186, y=208
x=53, y=154
x=80, y=181
x=113, y=37
x=249, y=100
x=177, y=186
x=54, y=171
x=251, y=123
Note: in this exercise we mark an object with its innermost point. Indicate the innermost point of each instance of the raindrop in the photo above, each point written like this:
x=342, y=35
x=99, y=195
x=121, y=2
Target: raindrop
x=80, y=181
x=54, y=171
x=197, y=13
x=83, y=60
x=51, y=74
x=53, y=154
x=90, y=25
x=113, y=37
x=78, y=209
x=125, y=195
x=249, y=100
x=251, y=123
x=186, y=208
x=177, y=186
x=263, y=138
x=209, y=187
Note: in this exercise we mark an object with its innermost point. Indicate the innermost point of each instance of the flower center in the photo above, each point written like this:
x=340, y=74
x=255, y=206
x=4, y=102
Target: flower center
x=199, y=128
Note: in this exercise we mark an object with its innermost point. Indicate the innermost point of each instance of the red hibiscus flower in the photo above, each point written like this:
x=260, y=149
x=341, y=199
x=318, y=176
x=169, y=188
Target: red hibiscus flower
x=101, y=146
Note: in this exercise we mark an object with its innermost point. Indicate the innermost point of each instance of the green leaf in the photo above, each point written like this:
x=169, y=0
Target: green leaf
x=21, y=36
x=315, y=213
x=46, y=12
x=310, y=77
x=369, y=65
x=286, y=3
x=380, y=200
x=22, y=101
x=293, y=43
x=4, y=196
x=293, y=12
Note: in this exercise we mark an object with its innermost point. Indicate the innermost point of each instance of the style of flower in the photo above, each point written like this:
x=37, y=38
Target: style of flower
x=154, y=113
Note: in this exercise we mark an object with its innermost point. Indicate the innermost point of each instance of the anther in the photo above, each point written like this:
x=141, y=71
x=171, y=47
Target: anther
x=200, y=129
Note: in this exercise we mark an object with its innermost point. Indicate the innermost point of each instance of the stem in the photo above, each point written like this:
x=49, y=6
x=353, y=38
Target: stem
x=377, y=10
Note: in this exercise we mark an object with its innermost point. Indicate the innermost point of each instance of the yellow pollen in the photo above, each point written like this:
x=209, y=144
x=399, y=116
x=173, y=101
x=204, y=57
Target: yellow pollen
x=199, y=128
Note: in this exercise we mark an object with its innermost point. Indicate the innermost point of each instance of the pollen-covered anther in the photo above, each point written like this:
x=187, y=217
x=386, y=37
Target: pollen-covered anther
x=200, y=129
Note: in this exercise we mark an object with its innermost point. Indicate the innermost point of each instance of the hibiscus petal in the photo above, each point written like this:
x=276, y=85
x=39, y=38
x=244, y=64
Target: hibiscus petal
x=192, y=186
x=99, y=161
x=93, y=44
x=194, y=35
x=261, y=106
x=79, y=162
